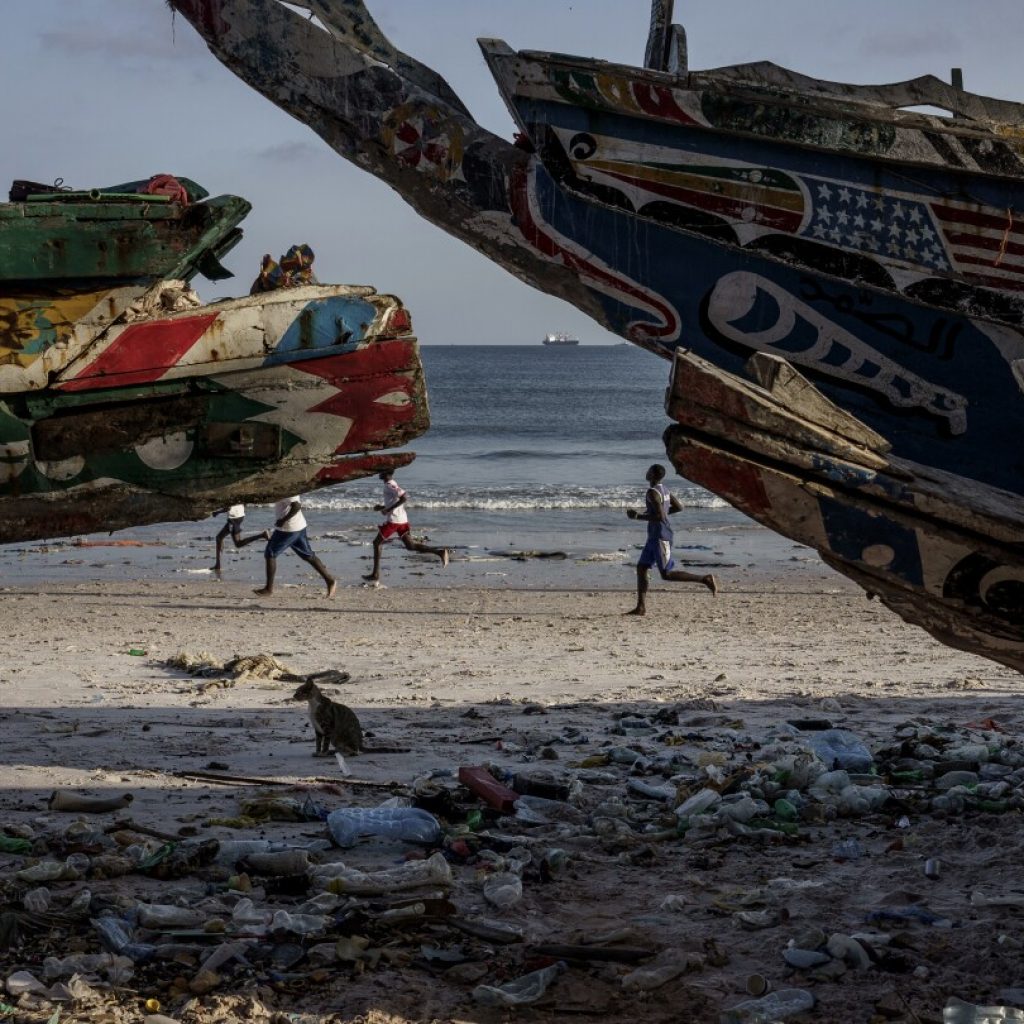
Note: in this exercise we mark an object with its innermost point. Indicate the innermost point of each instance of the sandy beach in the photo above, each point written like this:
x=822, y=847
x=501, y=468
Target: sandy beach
x=525, y=680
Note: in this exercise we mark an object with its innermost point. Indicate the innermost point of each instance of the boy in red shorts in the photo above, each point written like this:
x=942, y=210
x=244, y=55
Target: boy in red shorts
x=396, y=524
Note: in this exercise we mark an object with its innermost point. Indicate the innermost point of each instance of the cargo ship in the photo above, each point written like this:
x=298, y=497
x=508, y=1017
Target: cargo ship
x=560, y=339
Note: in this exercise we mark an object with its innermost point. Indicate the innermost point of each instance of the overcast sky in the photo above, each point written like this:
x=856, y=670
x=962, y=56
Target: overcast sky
x=102, y=91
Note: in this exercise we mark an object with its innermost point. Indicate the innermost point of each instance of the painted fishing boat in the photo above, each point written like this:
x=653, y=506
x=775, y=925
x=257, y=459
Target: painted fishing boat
x=745, y=211
x=124, y=400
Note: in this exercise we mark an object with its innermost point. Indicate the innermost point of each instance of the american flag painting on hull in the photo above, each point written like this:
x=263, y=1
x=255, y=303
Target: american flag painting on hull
x=911, y=227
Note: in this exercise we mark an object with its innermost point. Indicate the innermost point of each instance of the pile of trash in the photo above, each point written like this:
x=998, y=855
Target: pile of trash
x=190, y=918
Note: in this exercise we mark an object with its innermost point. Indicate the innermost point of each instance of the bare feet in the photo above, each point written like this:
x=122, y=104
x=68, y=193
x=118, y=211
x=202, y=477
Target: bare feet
x=445, y=554
x=639, y=610
x=332, y=587
x=371, y=578
x=263, y=592
x=712, y=584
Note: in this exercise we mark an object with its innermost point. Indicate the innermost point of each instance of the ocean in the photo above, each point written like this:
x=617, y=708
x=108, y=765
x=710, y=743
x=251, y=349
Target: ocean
x=533, y=455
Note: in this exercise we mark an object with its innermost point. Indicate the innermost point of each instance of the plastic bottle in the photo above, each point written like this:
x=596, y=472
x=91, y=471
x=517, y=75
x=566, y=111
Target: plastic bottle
x=520, y=991
x=959, y=1012
x=785, y=810
x=787, y=1002
x=281, y=863
x=9, y=844
x=341, y=879
x=299, y=924
x=698, y=803
x=163, y=915
x=840, y=748
x=408, y=824
x=118, y=938
x=231, y=851
x=646, y=979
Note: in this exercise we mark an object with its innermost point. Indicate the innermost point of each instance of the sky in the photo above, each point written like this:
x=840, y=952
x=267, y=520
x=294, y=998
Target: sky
x=102, y=91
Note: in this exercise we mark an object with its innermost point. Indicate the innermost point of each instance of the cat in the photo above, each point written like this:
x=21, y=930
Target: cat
x=333, y=723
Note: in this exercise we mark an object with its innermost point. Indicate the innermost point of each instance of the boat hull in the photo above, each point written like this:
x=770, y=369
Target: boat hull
x=943, y=554
x=167, y=418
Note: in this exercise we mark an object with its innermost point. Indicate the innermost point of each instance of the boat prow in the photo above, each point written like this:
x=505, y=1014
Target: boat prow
x=129, y=402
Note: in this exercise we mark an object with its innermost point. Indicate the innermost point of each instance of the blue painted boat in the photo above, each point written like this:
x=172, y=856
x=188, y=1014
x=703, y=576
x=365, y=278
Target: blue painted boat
x=838, y=280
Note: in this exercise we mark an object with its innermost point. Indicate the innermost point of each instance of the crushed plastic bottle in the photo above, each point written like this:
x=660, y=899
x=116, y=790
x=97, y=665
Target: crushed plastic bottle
x=299, y=924
x=857, y=800
x=535, y=810
x=959, y=1012
x=71, y=870
x=341, y=879
x=23, y=981
x=775, y=1006
x=118, y=969
x=36, y=901
x=520, y=991
x=503, y=889
x=407, y=824
x=847, y=849
x=840, y=748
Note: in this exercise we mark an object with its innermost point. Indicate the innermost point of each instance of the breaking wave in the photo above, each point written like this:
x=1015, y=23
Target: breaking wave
x=572, y=498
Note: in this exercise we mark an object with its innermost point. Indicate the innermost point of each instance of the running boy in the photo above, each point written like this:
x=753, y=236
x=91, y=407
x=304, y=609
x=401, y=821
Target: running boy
x=659, y=505
x=396, y=524
x=233, y=527
x=290, y=532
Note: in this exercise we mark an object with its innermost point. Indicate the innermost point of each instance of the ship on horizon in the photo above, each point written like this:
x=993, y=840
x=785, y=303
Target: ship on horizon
x=560, y=339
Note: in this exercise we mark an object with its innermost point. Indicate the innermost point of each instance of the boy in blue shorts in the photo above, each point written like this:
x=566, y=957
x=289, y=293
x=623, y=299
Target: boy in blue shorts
x=290, y=532
x=659, y=504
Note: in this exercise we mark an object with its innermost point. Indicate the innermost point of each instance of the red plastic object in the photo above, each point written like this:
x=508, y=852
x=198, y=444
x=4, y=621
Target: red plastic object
x=480, y=781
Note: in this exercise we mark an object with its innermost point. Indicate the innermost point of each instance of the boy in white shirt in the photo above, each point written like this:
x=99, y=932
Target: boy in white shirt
x=290, y=532
x=396, y=524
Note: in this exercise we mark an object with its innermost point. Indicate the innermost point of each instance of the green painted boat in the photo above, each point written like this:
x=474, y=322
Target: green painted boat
x=124, y=400
x=51, y=237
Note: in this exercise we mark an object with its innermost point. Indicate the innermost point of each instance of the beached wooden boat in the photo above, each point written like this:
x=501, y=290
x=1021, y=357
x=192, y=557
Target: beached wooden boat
x=735, y=212
x=124, y=400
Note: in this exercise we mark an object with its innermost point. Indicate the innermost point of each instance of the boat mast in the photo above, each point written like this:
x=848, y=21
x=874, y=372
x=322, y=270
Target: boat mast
x=656, y=56
x=666, y=43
